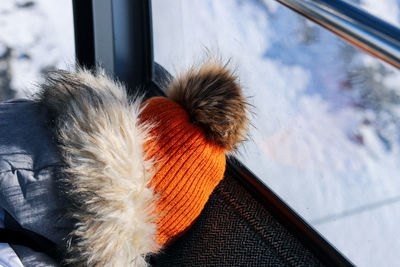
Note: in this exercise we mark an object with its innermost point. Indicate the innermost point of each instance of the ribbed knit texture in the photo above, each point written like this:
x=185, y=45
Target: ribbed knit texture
x=188, y=166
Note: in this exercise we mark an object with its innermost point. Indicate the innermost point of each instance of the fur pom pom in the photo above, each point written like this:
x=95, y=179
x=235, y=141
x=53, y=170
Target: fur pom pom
x=213, y=98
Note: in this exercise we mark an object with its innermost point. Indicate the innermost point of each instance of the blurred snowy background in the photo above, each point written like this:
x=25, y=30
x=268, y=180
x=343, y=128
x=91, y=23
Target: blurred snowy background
x=327, y=115
x=35, y=36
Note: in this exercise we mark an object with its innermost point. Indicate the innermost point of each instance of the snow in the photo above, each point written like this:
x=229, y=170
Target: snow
x=327, y=116
x=40, y=34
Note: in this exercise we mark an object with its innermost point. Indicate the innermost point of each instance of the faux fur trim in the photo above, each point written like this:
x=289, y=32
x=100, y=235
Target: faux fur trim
x=107, y=176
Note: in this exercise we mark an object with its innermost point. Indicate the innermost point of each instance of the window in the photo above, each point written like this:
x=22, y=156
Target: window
x=327, y=122
x=35, y=36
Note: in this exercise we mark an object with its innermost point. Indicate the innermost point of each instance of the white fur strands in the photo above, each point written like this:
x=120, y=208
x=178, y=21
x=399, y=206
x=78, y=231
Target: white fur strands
x=101, y=142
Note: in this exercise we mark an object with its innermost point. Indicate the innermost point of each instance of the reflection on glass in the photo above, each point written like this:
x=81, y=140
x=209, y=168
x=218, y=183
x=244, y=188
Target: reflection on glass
x=387, y=10
x=35, y=36
x=327, y=123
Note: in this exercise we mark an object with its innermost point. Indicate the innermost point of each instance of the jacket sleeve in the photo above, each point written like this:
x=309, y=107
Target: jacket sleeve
x=28, y=168
x=7, y=254
x=29, y=257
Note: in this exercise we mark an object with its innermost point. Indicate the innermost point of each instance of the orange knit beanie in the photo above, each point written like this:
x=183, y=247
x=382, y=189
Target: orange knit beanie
x=204, y=117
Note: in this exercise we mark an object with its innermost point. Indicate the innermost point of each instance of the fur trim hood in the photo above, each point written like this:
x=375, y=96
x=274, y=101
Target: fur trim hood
x=106, y=175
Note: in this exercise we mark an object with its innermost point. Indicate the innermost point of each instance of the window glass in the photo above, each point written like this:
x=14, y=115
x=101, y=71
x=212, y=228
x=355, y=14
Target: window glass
x=35, y=36
x=326, y=135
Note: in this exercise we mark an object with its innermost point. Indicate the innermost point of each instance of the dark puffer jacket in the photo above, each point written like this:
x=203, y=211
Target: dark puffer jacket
x=58, y=188
x=29, y=161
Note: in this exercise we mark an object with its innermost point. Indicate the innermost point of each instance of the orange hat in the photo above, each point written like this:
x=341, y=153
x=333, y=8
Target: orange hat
x=204, y=117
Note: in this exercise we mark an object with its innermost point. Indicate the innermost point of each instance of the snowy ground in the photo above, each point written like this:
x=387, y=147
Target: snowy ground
x=327, y=116
x=35, y=36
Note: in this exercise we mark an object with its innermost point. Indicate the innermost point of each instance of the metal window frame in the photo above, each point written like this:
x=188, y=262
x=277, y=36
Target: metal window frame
x=356, y=26
x=116, y=35
x=123, y=46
